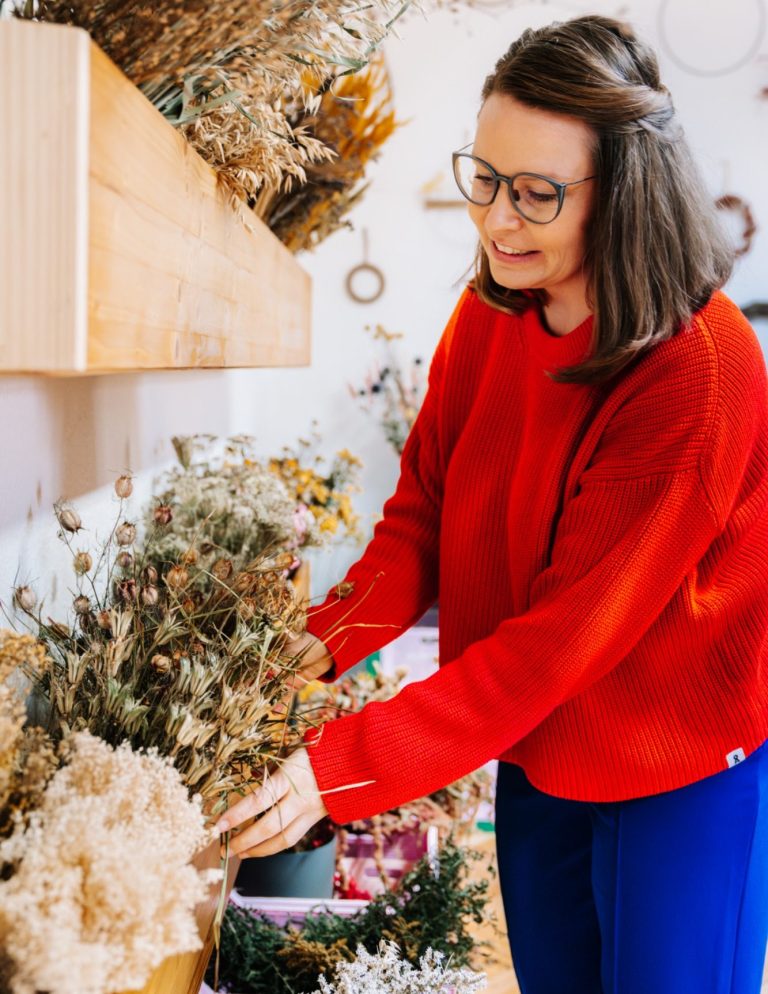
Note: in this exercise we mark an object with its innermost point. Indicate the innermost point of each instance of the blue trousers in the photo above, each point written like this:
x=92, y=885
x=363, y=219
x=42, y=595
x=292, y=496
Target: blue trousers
x=665, y=894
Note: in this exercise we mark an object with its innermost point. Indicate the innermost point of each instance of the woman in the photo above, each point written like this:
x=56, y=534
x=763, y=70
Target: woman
x=587, y=487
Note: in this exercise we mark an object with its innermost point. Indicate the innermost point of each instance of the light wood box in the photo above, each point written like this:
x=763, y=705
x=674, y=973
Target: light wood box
x=118, y=251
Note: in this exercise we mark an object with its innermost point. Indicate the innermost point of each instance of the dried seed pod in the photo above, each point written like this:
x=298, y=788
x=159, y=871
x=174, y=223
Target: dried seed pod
x=82, y=563
x=126, y=590
x=124, y=486
x=190, y=557
x=247, y=608
x=222, y=569
x=125, y=560
x=25, y=598
x=177, y=578
x=81, y=604
x=161, y=663
x=104, y=620
x=125, y=533
x=206, y=548
x=163, y=514
x=188, y=605
x=59, y=628
x=196, y=648
x=149, y=575
x=243, y=582
x=68, y=518
x=149, y=596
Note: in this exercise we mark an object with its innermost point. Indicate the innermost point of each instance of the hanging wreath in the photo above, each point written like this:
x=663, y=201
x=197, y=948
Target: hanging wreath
x=732, y=202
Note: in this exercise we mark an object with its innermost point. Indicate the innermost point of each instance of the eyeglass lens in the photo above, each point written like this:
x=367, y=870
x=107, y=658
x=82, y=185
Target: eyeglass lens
x=535, y=198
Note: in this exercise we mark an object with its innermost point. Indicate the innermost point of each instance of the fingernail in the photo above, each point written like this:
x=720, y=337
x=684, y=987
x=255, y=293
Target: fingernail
x=222, y=826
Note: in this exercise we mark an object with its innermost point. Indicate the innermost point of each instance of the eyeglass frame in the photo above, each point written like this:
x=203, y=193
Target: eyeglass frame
x=498, y=179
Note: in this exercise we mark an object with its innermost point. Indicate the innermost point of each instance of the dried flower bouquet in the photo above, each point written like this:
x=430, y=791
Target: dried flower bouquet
x=243, y=81
x=96, y=886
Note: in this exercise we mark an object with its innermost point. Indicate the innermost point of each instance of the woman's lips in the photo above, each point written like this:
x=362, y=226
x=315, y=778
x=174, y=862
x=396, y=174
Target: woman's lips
x=511, y=259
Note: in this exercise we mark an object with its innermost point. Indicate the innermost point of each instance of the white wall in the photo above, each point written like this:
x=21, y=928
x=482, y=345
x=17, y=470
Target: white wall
x=72, y=437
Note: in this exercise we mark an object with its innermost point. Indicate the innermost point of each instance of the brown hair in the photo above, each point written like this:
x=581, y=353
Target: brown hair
x=656, y=251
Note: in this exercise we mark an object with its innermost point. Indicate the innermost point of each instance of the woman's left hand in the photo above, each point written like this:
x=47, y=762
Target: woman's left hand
x=293, y=804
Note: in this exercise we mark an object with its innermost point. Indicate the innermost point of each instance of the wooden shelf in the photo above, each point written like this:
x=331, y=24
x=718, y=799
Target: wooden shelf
x=118, y=249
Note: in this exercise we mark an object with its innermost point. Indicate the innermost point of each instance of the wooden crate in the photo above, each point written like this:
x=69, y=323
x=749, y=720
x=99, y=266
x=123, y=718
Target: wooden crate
x=118, y=251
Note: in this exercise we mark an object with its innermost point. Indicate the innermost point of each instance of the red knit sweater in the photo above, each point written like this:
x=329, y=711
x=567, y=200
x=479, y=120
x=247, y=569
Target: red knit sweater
x=600, y=556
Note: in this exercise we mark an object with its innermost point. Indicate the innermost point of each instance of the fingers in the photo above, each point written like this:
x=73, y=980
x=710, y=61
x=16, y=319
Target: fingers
x=289, y=836
x=255, y=803
x=280, y=828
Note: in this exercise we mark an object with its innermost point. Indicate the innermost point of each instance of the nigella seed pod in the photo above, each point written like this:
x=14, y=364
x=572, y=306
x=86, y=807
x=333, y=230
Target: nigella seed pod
x=104, y=621
x=123, y=486
x=126, y=590
x=149, y=575
x=125, y=534
x=160, y=663
x=124, y=560
x=82, y=563
x=247, y=608
x=190, y=557
x=68, y=518
x=222, y=569
x=149, y=596
x=176, y=578
x=81, y=604
x=242, y=582
x=25, y=598
x=188, y=605
x=163, y=514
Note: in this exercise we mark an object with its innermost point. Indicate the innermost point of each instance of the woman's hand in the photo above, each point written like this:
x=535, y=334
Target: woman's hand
x=293, y=804
x=314, y=658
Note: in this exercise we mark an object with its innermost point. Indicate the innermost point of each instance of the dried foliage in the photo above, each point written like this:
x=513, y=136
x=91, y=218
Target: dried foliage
x=354, y=119
x=96, y=886
x=391, y=392
x=228, y=507
x=171, y=654
x=246, y=82
x=430, y=908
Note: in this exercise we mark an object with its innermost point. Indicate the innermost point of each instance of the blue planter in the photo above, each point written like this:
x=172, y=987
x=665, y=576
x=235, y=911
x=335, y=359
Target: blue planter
x=290, y=874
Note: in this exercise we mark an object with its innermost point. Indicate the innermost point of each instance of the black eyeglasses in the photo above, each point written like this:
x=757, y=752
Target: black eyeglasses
x=537, y=198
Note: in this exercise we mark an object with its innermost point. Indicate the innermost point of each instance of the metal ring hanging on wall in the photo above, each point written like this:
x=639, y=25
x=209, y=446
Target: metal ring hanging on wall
x=742, y=60
x=365, y=267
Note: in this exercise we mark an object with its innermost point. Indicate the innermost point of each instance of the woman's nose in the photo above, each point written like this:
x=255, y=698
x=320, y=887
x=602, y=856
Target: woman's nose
x=501, y=213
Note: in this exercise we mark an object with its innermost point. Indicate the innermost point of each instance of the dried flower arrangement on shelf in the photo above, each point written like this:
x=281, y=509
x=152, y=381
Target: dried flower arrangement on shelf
x=390, y=392
x=249, y=83
x=432, y=907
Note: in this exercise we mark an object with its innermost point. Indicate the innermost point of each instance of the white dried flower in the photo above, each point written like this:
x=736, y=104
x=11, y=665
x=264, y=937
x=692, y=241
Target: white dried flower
x=386, y=973
x=115, y=833
x=81, y=604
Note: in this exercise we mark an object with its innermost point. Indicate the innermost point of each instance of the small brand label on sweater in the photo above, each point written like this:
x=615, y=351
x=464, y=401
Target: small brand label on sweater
x=735, y=757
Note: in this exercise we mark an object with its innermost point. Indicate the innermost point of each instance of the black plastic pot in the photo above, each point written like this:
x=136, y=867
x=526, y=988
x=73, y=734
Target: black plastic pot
x=290, y=874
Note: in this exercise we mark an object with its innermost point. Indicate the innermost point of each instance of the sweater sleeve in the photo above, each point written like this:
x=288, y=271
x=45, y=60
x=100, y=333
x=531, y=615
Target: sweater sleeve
x=396, y=580
x=639, y=521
